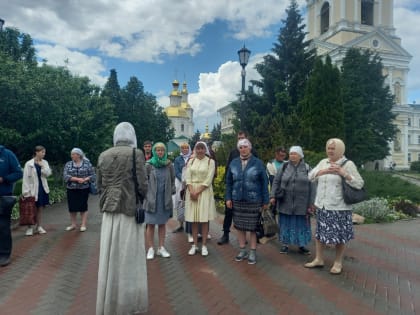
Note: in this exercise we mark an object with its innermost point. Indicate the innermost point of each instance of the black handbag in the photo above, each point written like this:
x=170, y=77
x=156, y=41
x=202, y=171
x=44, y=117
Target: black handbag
x=352, y=195
x=140, y=212
x=6, y=204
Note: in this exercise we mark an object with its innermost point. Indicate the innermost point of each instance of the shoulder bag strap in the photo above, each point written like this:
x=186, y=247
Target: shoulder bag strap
x=136, y=184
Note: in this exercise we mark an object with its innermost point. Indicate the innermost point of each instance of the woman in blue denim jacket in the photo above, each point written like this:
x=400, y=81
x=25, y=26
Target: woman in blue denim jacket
x=246, y=193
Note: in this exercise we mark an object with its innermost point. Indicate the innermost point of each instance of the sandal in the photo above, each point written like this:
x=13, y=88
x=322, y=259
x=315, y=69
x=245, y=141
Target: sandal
x=314, y=264
x=336, y=269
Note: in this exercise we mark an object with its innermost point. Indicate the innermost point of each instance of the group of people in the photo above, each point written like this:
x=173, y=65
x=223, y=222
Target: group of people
x=125, y=179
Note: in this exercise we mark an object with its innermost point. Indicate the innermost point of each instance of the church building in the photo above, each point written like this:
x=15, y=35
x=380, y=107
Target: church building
x=180, y=112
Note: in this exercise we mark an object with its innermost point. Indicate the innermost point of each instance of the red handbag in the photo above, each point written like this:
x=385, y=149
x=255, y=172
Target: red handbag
x=27, y=210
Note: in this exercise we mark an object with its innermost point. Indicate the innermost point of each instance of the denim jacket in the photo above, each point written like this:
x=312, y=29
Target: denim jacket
x=250, y=184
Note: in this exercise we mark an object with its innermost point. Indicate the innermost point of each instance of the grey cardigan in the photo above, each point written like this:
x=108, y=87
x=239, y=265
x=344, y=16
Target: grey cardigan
x=299, y=191
x=150, y=201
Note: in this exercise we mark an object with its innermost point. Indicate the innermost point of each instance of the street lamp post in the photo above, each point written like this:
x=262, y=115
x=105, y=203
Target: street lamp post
x=1, y=24
x=243, y=61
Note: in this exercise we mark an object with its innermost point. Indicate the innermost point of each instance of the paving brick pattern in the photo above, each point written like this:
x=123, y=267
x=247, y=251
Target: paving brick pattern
x=56, y=274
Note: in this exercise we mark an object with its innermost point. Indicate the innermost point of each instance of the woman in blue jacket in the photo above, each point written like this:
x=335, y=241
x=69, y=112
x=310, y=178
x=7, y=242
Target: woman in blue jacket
x=246, y=193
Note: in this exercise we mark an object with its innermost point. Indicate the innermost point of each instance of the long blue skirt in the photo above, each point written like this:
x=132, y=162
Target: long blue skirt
x=294, y=229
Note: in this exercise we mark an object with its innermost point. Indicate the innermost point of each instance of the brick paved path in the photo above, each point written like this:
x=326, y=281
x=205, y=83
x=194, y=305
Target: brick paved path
x=56, y=274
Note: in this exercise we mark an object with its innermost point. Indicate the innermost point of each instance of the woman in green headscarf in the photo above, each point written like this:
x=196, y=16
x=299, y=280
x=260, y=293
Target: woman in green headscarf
x=158, y=203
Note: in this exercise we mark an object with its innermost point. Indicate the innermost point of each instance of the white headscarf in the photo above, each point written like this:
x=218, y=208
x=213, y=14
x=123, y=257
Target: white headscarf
x=124, y=132
x=245, y=143
x=205, y=145
x=78, y=151
x=297, y=149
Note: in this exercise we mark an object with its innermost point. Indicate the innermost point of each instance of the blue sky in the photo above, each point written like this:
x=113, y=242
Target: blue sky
x=160, y=40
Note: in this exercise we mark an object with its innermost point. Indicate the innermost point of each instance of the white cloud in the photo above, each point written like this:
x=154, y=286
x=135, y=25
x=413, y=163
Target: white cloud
x=78, y=63
x=138, y=30
x=217, y=89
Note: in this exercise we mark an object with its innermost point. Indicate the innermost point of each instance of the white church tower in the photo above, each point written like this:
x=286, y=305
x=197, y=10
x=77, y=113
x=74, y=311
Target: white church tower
x=334, y=26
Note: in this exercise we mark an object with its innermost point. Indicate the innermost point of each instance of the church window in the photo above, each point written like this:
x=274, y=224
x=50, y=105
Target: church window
x=182, y=127
x=409, y=139
x=367, y=12
x=325, y=17
x=418, y=140
x=409, y=122
x=409, y=157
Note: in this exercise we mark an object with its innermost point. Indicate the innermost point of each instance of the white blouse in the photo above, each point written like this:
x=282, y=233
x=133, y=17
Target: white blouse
x=329, y=193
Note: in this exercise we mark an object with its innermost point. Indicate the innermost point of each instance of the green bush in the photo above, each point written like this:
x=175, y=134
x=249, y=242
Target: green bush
x=385, y=185
x=57, y=194
x=405, y=206
x=415, y=166
x=219, y=184
x=376, y=210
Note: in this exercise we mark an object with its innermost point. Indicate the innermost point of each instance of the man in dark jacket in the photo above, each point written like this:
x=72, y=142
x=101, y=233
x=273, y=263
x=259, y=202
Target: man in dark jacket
x=10, y=172
x=227, y=221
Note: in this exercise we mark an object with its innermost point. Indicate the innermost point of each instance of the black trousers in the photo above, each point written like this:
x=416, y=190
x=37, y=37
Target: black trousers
x=5, y=236
x=227, y=221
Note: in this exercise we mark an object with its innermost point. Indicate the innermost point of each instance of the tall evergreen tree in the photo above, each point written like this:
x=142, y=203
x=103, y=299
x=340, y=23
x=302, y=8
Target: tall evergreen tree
x=143, y=111
x=285, y=71
x=112, y=91
x=272, y=115
x=367, y=102
x=321, y=111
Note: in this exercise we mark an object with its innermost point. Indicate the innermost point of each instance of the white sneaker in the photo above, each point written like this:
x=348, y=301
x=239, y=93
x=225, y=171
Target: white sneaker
x=208, y=236
x=41, y=230
x=150, y=253
x=190, y=238
x=163, y=252
x=193, y=250
x=29, y=231
x=204, y=251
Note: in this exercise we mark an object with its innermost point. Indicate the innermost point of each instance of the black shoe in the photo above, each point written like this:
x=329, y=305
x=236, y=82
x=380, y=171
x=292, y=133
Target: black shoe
x=304, y=251
x=284, y=250
x=179, y=229
x=4, y=261
x=224, y=239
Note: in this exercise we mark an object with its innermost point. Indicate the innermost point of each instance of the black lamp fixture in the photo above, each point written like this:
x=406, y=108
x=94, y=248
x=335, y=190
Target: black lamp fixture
x=1, y=24
x=243, y=54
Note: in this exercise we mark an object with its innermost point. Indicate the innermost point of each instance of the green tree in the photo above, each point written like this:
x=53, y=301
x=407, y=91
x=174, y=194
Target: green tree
x=367, y=103
x=143, y=111
x=18, y=46
x=216, y=133
x=321, y=110
x=270, y=116
x=284, y=73
x=195, y=138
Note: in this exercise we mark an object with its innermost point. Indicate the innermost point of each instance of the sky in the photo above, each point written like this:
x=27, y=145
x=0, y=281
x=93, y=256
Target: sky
x=159, y=41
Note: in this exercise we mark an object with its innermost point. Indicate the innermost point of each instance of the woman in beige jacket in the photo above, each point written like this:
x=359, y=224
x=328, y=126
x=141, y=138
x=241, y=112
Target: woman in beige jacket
x=35, y=184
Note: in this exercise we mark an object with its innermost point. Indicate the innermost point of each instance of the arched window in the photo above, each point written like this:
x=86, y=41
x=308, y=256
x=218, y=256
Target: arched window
x=367, y=12
x=325, y=17
x=182, y=127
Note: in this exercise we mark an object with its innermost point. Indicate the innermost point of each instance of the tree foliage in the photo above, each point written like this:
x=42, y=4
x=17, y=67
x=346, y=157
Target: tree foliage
x=271, y=115
x=321, y=110
x=49, y=106
x=367, y=104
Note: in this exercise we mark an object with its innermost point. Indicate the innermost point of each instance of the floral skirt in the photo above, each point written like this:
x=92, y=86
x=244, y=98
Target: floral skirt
x=333, y=226
x=294, y=229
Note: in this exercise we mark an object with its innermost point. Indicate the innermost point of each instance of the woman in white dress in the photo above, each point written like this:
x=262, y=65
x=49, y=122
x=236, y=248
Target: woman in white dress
x=122, y=274
x=200, y=207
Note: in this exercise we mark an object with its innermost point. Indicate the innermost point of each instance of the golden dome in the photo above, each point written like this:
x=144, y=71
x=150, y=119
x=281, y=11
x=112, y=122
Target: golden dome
x=185, y=105
x=206, y=135
x=176, y=111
